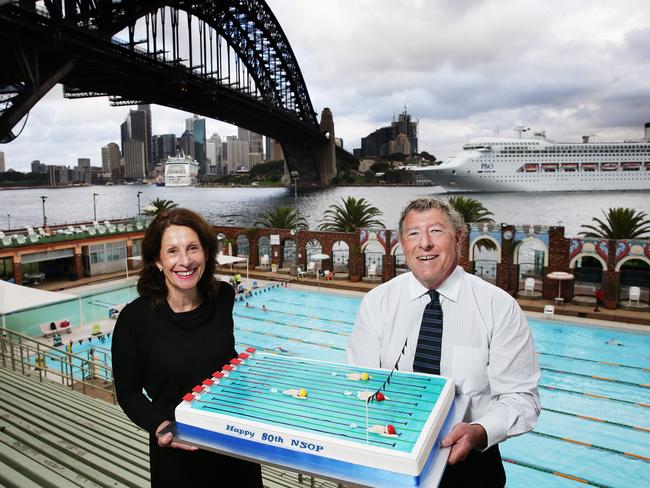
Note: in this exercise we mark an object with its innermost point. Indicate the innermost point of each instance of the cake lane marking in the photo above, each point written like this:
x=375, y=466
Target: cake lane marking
x=328, y=378
x=318, y=428
x=411, y=407
x=423, y=384
x=348, y=414
x=327, y=387
x=425, y=410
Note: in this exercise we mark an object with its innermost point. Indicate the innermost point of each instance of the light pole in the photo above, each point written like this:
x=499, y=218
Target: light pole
x=43, y=198
x=95, y=195
x=139, y=193
x=8, y=222
x=294, y=177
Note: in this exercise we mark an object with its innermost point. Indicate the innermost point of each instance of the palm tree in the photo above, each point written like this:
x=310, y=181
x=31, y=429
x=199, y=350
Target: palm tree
x=473, y=211
x=282, y=218
x=350, y=215
x=620, y=223
x=159, y=205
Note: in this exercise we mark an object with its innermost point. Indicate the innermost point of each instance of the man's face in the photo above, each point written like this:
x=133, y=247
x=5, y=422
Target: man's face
x=430, y=246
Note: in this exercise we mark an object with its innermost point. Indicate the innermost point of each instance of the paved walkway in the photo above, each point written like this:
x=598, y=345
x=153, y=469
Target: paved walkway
x=571, y=310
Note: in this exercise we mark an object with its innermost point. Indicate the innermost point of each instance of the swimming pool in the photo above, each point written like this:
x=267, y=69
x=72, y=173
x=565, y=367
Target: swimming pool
x=595, y=388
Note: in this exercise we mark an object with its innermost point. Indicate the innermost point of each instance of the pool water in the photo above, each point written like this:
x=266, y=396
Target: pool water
x=594, y=428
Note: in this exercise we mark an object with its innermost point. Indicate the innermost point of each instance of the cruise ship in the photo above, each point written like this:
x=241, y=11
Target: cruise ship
x=499, y=164
x=181, y=170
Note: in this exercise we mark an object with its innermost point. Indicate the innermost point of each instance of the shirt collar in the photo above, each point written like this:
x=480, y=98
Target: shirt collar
x=450, y=288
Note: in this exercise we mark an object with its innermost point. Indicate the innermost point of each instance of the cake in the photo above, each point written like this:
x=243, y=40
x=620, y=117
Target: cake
x=369, y=426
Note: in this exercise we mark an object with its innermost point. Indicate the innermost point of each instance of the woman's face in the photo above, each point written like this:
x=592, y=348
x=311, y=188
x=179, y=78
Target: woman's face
x=182, y=258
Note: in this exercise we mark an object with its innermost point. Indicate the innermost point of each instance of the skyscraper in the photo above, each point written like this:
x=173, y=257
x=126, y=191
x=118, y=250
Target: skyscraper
x=196, y=126
x=150, y=162
x=386, y=140
x=165, y=146
x=111, y=159
x=2, y=162
x=213, y=154
x=134, y=160
x=137, y=127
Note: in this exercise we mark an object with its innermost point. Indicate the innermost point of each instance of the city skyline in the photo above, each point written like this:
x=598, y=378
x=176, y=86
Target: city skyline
x=461, y=68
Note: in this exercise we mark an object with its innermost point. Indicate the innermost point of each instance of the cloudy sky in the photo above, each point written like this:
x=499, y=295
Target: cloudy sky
x=462, y=68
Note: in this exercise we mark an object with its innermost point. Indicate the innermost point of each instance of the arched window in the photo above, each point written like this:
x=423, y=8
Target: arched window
x=340, y=257
x=264, y=247
x=373, y=258
x=313, y=247
x=289, y=254
x=399, y=261
x=243, y=245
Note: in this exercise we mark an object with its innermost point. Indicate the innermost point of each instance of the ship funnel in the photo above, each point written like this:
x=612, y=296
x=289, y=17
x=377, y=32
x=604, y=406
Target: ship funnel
x=585, y=139
x=647, y=131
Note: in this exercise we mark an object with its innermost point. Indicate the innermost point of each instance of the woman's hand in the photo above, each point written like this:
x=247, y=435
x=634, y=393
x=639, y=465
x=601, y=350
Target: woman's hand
x=167, y=440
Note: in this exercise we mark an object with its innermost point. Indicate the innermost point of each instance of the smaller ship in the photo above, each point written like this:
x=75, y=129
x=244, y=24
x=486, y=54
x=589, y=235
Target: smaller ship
x=181, y=170
x=160, y=181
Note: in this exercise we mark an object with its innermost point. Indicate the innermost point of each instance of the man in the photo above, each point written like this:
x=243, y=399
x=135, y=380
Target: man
x=485, y=345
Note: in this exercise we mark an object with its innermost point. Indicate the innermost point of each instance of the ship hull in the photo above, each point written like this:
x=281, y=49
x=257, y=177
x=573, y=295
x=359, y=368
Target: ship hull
x=541, y=182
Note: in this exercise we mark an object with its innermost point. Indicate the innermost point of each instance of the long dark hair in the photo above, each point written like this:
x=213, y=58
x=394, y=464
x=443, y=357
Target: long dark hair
x=151, y=283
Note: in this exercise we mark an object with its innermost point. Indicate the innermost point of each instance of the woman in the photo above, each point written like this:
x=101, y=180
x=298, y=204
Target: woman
x=171, y=338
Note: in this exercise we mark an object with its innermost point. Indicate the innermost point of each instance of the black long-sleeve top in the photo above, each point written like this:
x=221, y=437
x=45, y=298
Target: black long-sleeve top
x=167, y=353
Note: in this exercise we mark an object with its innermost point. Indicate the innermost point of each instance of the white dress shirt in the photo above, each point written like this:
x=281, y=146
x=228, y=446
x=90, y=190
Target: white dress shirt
x=487, y=347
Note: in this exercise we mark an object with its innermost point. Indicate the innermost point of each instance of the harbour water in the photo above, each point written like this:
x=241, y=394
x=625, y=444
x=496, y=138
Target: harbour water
x=242, y=206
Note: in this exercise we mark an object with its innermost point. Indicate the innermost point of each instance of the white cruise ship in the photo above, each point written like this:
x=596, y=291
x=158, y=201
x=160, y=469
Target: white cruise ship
x=537, y=164
x=181, y=170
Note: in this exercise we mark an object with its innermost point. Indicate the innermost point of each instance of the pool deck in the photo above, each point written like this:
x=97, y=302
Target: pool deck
x=579, y=312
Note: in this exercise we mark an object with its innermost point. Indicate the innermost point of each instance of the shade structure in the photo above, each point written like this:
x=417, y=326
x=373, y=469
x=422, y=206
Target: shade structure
x=223, y=259
x=560, y=276
x=17, y=297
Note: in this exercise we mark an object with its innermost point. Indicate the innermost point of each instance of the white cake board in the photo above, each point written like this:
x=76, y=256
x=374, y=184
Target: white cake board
x=430, y=480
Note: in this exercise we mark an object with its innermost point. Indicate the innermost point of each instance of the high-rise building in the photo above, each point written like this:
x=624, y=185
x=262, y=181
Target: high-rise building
x=237, y=153
x=83, y=162
x=196, y=126
x=57, y=175
x=255, y=141
x=2, y=162
x=134, y=160
x=273, y=150
x=186, y=143
x=386, y=140
x=38, y=167
x=111, y=159
x=213, y=154
x=164, y=147
x=151, y=162
x=137, y=127
x=403, y=125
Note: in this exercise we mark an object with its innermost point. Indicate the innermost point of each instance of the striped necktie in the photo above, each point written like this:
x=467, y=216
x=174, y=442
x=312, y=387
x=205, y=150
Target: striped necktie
x=429, y=348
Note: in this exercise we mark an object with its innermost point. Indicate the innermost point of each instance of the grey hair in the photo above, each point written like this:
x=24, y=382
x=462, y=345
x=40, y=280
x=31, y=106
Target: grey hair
x=423, y=204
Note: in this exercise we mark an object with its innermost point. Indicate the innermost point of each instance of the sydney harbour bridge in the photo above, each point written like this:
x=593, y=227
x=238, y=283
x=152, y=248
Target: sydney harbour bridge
x=224, y=59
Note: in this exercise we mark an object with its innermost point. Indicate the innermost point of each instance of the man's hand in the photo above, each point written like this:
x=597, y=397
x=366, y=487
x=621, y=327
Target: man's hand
x=167, y=440
x=463, y=438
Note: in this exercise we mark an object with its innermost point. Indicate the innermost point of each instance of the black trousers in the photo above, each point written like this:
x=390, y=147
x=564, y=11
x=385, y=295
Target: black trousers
x=480, y=469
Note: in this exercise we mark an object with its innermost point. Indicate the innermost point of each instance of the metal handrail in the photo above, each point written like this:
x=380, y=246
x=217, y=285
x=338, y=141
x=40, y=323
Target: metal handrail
x=28, y=355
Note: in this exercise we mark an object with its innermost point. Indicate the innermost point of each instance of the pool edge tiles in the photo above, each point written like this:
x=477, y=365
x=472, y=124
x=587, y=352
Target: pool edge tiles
x=239, y=429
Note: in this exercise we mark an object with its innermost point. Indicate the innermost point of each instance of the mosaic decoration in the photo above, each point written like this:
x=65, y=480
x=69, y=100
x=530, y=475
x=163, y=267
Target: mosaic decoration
x=575, y=248
x=537, y=232
x=588, y=247
x=602, y=248
x=378, y=235
x=632, y=248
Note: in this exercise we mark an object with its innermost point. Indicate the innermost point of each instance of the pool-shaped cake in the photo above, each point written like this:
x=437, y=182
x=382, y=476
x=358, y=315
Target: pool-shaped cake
x=314, y=416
